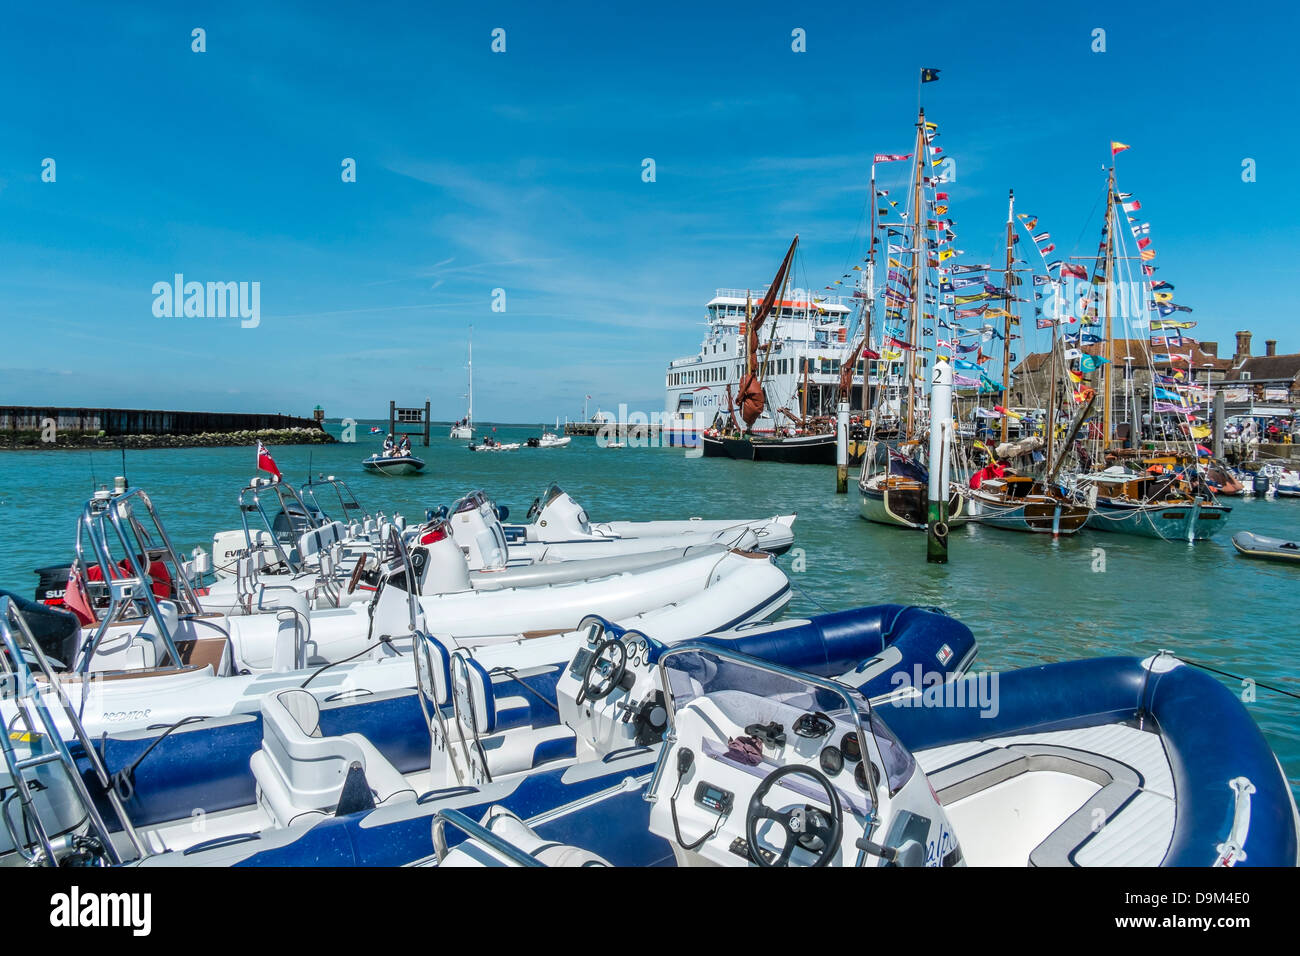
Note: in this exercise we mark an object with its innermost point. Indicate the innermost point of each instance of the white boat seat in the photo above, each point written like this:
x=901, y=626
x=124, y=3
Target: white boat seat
x=514, y=831
x=518, y=751
x=479, y=709
x=300, y=774
x=312, y=543
x=149, y=641
x=1119, y=784
x=438, y=660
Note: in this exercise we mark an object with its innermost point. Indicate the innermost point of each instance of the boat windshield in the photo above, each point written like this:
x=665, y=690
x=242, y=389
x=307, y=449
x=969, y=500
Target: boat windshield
x=552, y=492
x=349, y=507
x=471, y=502
x=750, y=691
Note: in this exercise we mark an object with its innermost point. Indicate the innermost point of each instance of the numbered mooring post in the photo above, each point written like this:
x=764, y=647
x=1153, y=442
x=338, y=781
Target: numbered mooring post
x=936, y=535
x=842, y=448
x=409, y=416
x=1219, y=411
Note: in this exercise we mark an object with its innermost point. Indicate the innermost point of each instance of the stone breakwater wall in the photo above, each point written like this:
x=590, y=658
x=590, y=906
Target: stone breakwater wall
x=32, y=440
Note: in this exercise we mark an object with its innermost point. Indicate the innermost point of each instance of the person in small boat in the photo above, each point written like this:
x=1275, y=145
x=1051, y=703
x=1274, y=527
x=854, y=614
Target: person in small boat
x=388, y=446
x=404, y=449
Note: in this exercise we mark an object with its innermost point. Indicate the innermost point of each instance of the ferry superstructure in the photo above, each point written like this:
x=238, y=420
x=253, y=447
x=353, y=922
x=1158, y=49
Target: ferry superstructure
x=809, y=338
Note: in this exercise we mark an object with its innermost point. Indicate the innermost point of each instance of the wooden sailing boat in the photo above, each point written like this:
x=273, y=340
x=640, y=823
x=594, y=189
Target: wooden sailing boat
x=894, y=484
x=1153, y=503
x=1019, y=502
x=751, y=398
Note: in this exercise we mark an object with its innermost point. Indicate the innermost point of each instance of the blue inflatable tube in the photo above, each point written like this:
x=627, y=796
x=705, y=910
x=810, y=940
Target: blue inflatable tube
x=207, y=765
x=843, y=644
x=1208, y=736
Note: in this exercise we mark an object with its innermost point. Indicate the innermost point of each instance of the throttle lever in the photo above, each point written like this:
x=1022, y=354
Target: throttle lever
x=887, y=853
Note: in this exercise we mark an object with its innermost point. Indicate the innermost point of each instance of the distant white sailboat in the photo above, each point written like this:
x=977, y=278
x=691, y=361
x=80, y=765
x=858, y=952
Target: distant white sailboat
x=465, y=427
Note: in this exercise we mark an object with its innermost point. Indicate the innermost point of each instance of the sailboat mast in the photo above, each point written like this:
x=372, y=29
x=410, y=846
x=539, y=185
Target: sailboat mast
x=1110, y=342
x=918, y=238
x=1049, y=430
x=470, y=411
x=1006, y=310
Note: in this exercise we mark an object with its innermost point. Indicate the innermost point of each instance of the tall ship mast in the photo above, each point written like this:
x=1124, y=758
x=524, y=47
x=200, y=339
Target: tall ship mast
x=1135, y=493
x=764, y=374
x=893, y=484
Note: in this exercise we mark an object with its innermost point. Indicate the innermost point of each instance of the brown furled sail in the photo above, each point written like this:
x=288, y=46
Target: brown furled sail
x=847, y=370
x=750, y=390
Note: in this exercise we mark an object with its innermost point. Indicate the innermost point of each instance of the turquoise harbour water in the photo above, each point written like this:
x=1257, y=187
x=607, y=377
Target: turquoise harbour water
x=1029, y=599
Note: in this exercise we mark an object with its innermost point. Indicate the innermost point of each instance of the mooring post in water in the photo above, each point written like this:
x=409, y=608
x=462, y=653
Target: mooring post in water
x=842, y=448
x=1217, y=448
x=936, y=537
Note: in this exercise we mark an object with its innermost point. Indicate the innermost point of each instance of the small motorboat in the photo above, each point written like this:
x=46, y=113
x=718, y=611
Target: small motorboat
x=393, y=464
x=549, y=440
x=1268, y=549
x=1105, y=762
x=296, y=779
x=557, y=519
x=704, y=752
x=495, y=553
x=491, y=444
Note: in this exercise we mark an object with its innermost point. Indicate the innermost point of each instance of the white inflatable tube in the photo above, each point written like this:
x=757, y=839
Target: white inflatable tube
x=738, y=592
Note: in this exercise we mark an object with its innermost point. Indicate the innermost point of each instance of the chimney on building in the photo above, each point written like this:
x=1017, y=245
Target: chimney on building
x=1270, y=347
x=1243, y=348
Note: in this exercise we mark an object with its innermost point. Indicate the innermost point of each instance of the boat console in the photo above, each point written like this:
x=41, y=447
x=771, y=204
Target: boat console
x=759, y=765
x=770, y=767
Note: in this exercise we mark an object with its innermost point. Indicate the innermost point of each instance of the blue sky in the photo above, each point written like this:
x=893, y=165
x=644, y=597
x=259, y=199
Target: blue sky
x=522, y=171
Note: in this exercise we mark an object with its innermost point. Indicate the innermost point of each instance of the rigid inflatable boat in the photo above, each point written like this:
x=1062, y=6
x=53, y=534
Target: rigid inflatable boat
x=488, y=547
x=556, y=518
x=281, y=785
x=1113, y=761
x=1269, y=549
x=1109, y=762
x=393, y=464
x=167, y=655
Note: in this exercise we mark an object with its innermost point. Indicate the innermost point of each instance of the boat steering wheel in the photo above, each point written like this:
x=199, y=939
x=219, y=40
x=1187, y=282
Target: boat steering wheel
x=607, y=673
x=800, y=824
x=534, y=509
x=357, y=571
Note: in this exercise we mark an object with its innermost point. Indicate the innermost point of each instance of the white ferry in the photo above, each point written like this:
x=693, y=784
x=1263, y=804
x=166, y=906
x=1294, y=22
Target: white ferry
x=810, y=334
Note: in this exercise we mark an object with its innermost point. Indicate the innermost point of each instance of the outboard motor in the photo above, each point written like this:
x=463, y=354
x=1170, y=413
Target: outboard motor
x=478, y=532
x=1260, y=483
x=561, y=517
x=442, y=568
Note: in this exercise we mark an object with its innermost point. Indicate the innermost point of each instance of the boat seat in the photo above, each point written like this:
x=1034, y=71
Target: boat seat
x=300, y=774
x=503, y=823
x=1119, y=785
x=518, y=751
x=313, y=542
x=484, y=707
x=434, y=666
x=512, y=736
x=148, y=648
